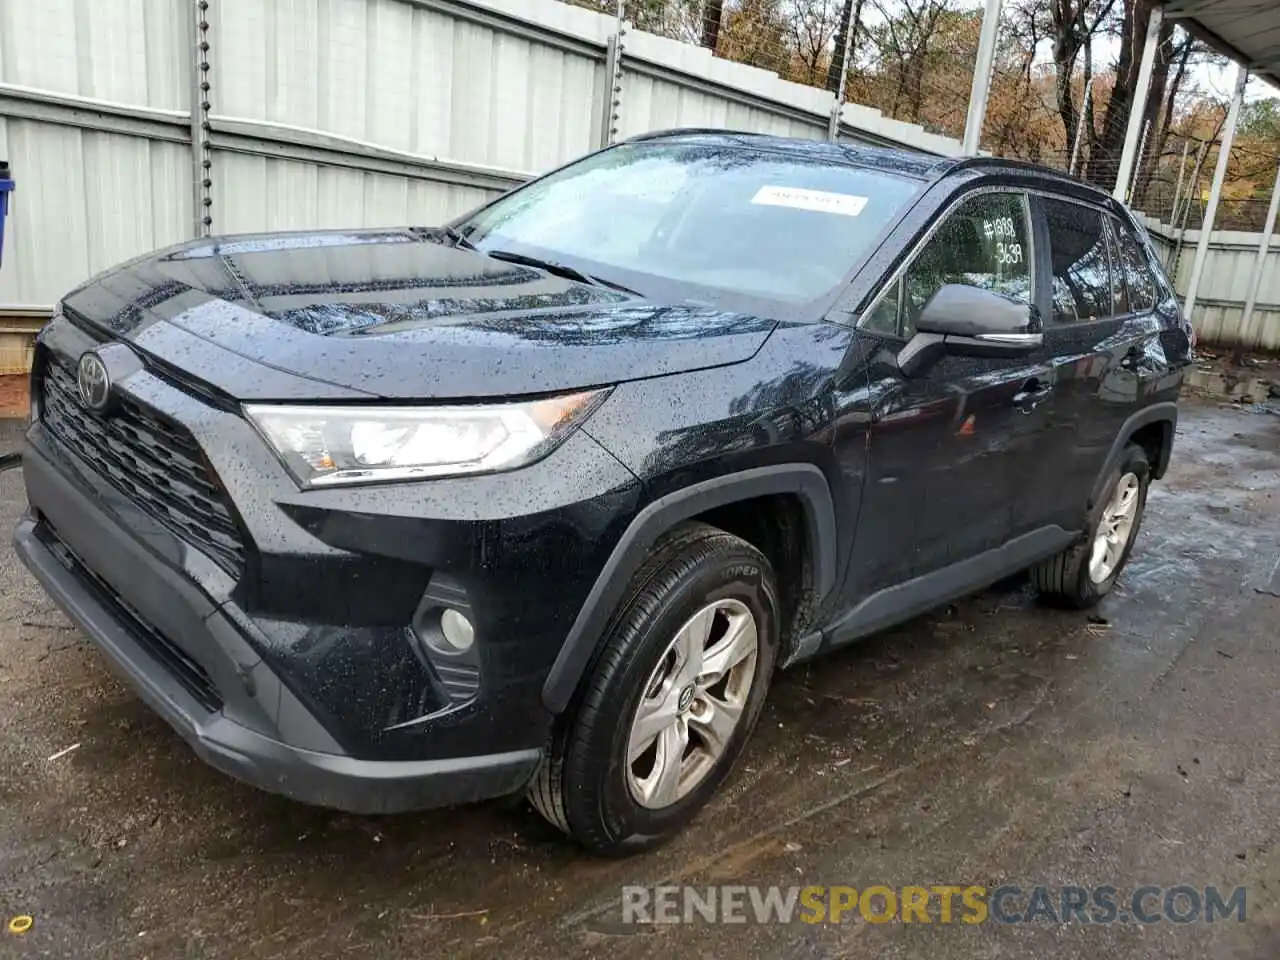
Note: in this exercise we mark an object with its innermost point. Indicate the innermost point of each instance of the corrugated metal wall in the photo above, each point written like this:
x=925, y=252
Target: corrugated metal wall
x=329, y=113
x=346, y=113
x=87, y=197
x=1219, y=309
x=405, y=77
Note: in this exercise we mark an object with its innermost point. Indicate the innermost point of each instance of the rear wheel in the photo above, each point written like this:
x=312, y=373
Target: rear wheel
x=670, y=700
x=1084, y=573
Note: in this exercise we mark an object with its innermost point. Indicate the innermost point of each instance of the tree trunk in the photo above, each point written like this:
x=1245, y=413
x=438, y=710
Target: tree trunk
x=712, y=16
x=1066, y=106
x=1070, y=32
x=1163, y=122
x=1152, y=111
x=1133, y=34
x=1090, y=112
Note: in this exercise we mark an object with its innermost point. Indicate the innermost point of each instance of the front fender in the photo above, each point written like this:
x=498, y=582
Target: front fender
x=804, y=480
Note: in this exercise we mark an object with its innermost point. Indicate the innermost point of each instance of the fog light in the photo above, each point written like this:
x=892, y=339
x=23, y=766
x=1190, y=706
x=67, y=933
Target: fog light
x=458, y=632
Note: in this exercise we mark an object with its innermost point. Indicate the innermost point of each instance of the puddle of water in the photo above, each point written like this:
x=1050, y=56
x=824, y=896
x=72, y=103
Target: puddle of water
x=1231, y=386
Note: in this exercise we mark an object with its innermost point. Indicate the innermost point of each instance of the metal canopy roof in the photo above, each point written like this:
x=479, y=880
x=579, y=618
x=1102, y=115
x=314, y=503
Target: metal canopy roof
x=1248, y=31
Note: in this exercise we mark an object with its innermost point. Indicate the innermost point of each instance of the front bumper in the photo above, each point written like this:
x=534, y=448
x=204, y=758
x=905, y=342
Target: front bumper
x=327, y=779
x=308, y=671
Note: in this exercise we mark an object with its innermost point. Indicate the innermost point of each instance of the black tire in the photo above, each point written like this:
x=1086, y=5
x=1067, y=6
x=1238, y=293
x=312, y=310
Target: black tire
x=581, y=786
x=1064, y=579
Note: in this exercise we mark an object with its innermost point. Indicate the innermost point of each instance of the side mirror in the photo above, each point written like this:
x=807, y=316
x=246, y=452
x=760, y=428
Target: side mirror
x=971, y=322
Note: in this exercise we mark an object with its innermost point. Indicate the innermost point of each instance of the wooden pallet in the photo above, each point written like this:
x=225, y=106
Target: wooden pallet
x=17, y=341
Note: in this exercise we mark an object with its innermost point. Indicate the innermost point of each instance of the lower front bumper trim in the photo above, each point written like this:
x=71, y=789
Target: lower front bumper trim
x=325, y=779
x=365, y=786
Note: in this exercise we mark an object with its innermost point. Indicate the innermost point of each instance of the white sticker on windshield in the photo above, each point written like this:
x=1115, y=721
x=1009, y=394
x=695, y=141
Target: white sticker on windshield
x=845, y=204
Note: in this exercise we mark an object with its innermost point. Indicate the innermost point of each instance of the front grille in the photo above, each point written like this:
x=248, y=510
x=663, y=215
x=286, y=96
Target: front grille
x=154, y=462
x=193, y=677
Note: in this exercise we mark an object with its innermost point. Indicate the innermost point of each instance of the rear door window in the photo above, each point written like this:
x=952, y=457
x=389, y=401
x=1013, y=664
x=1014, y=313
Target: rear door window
x=1139, y=284
x=1080, y=261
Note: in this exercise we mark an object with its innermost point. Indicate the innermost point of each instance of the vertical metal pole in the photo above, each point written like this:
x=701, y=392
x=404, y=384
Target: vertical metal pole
x=1172, y=266
x=1138, y=108
x=837, y=108
x=1084, y=112
x=1215, y=191
x=1260, y=265
x=982, y=71
x=613, y=72
x=1177, y=191
x=1137, y=167
x=201, y=154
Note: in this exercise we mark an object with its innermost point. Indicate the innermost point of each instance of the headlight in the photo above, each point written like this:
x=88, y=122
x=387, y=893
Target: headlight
x=328, y=446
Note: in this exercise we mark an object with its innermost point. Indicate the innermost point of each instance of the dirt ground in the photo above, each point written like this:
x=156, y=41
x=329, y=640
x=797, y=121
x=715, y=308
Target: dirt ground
x=992, y=742
x=13, y=396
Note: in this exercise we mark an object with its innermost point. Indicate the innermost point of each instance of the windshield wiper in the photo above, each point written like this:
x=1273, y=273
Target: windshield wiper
x=440, y=234
x=560, y=269
x=458, y=238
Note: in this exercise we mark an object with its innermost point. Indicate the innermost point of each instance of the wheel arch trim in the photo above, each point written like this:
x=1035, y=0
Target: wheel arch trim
x=804, y=480
x=1163, y=412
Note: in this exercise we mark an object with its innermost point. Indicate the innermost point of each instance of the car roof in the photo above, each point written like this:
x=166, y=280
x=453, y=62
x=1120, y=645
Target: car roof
x=910, y=163
x=915, y=164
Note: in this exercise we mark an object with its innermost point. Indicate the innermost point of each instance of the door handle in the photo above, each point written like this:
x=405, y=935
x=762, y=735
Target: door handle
x=1032, y=393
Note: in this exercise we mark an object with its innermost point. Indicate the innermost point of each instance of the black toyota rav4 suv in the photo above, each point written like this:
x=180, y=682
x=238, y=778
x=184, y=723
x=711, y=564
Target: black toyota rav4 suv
x=539, y=500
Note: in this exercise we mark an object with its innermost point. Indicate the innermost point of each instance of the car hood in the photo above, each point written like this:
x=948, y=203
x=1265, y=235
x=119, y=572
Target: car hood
x=392, y=315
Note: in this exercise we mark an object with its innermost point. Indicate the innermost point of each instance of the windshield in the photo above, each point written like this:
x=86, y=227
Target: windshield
x=758, y=222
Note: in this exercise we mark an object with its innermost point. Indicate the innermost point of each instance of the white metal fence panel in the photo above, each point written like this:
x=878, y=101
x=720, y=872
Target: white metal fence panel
x=262, y=193
x=89, y=200
x=407, y=77
x=129, y=51
x=670, y=84
x=1219, y=310
x=330, y=113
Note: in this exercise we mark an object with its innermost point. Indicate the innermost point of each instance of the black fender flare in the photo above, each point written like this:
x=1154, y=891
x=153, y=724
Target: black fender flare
x=1164, y=412
x=804, y=480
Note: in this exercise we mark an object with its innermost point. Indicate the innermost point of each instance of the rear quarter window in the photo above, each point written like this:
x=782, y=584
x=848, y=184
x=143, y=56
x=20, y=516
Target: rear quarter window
x=1139, y=283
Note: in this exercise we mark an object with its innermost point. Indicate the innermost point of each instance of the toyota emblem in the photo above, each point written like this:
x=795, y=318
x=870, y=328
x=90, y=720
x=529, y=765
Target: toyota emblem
x=94, y=382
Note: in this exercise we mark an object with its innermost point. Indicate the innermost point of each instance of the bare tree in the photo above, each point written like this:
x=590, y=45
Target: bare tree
x=1172, y=73
x=1073, y=24
x=813, y=26
x=905, y=41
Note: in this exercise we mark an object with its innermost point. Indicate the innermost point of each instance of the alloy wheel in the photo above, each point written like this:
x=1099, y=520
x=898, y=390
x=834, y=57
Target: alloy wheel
x=1115, y=528
x=692, y=703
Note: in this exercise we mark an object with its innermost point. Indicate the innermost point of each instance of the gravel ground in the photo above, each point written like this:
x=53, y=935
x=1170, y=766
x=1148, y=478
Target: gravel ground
x=992, y=742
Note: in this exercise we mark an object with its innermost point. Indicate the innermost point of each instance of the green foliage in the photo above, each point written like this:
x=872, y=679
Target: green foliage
x=1261, y=119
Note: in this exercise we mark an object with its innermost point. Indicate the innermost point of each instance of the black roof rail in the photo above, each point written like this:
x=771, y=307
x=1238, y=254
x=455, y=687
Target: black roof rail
x=969, y=163
x=691, y=132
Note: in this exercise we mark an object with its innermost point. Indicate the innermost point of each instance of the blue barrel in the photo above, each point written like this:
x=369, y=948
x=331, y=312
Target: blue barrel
x=6, y=188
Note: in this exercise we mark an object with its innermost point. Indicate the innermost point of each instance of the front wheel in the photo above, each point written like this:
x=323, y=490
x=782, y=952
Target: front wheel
x=1085, y=572
x=671, y=698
